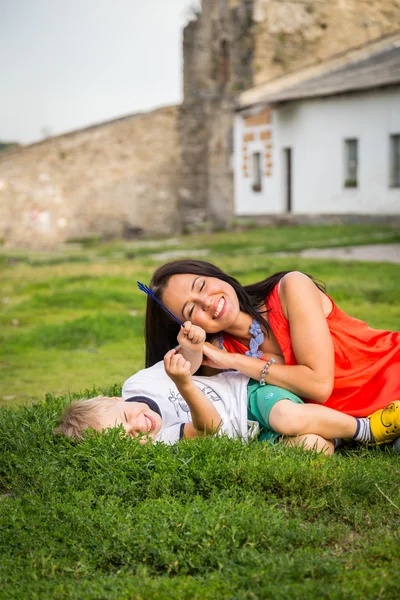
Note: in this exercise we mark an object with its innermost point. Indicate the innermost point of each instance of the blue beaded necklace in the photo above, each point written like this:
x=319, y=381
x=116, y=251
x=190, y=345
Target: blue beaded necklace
x=256, y=340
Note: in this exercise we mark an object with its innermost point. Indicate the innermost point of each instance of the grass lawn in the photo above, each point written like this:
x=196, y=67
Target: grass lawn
x=211, y=518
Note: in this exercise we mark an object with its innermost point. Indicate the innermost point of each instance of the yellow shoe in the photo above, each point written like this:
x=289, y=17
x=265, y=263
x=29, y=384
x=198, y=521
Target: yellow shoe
x=385, y=423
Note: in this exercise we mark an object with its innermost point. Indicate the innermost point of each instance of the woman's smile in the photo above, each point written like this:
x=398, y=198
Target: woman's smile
x=220, y=308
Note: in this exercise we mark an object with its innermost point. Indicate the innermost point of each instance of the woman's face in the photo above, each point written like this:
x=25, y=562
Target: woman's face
x=205, y=301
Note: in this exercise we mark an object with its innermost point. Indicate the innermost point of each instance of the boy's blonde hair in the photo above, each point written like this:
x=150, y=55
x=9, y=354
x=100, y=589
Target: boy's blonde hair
x=84, y=414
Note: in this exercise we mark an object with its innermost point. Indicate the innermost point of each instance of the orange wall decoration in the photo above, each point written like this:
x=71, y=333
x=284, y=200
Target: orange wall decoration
x=262, y=119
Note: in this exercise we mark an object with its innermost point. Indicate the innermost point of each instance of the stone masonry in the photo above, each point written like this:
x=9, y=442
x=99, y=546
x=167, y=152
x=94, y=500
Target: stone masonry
x=292, y=35
x=113, y=179
x=170, y=170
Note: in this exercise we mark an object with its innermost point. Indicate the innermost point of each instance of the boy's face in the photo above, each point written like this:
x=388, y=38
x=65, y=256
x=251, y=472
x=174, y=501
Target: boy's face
x=135, y=417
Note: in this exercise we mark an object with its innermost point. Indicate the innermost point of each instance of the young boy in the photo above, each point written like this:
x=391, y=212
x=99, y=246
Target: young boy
x=167, y=403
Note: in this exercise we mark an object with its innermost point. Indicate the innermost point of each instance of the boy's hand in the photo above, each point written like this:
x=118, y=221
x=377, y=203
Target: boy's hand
x=191, y=337
x=178, y=368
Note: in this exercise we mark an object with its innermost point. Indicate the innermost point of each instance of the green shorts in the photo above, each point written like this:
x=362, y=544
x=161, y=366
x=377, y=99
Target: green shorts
x=260, y=401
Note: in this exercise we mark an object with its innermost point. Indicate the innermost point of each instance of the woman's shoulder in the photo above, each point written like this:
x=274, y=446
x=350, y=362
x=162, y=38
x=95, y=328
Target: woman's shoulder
x=289, y=281
x=294, y=278
x=294, y=281
x=297, y=285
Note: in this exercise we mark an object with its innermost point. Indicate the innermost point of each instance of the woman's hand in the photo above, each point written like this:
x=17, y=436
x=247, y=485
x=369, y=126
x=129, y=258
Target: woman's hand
x=248, y=365
x=215, y=358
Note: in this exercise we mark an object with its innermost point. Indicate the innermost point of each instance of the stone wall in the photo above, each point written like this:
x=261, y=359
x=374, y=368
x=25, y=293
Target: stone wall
x=172, y=169
x=113, y=179
x=294, y=34
x=217, y=57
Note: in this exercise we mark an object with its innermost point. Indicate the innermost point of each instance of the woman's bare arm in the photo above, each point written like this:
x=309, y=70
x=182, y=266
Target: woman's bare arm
x=306, y=309
x=312, y=378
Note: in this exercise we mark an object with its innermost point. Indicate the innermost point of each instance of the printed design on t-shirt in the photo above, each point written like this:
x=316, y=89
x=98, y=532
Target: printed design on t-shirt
x=209, y=392
x=180, y=404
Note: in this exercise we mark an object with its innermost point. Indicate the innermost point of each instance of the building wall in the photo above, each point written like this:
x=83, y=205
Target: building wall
x=113, y=179
x=315, y=131
x=255, y=132
x=263, y=39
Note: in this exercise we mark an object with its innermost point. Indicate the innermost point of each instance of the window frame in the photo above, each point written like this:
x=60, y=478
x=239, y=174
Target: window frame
x=256, y=171
x=394, y=160
x=351, y=153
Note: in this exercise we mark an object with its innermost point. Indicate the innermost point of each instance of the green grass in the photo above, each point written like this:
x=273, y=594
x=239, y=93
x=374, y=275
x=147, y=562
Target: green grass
x=76, y=316
x=111, y=519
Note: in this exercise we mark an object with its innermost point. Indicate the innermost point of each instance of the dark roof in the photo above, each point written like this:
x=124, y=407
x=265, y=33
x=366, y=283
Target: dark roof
x=379, y=70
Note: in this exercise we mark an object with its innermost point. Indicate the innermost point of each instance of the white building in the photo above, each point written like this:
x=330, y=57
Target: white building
x=324, y=140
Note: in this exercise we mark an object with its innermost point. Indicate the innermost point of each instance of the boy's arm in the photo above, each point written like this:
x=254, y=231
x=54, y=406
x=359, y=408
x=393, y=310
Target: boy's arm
x=191, y=340
x=205, y=417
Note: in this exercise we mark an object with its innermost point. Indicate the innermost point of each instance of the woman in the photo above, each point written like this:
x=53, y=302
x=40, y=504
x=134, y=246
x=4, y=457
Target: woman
x=284, y=329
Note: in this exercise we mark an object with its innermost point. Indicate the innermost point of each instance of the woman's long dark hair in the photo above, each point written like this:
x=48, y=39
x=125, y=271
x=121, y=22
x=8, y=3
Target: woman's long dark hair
x=161, y=331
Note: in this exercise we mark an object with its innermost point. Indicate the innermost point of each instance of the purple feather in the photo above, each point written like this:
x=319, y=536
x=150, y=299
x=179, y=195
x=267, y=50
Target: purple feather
x=149, y=292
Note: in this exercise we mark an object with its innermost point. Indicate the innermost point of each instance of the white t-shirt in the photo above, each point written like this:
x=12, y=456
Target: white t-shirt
x=227, y=391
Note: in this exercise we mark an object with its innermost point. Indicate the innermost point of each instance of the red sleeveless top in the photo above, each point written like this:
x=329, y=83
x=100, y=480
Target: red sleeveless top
x=367, y=361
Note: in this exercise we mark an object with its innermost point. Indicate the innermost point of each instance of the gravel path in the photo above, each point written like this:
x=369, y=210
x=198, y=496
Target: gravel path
x=375, y=253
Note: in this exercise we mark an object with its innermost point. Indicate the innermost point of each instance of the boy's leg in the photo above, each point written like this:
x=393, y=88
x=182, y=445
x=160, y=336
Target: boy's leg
x=288, y=418
x=381, y=428
x=280, y=412
x=310, y=441
x=261, y=400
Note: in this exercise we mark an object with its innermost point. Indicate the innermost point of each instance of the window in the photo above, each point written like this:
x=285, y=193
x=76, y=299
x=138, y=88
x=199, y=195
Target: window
x=395, y=161
x=351, y=163
x=256, y=172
